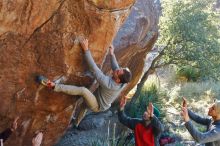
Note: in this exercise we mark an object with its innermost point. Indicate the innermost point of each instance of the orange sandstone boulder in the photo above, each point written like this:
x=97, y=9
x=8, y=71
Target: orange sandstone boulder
x=41, y=37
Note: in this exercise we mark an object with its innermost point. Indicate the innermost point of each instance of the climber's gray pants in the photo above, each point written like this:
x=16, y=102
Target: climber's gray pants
x=90, y=100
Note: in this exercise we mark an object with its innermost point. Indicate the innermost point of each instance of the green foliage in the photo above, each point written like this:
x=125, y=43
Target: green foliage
x=189, y=34
x=188, y=72
x=148, y=94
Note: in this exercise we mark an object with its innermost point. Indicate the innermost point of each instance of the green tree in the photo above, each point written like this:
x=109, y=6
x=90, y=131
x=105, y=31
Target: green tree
x=189, y=36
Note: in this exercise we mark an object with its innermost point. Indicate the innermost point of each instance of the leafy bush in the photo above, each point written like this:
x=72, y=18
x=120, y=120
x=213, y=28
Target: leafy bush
x=148, y=94
x=189, y=34
x=189, y=73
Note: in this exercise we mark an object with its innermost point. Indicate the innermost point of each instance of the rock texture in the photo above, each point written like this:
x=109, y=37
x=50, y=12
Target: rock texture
x=133, y=41
x=41, y=37
x=98, y=130
x=136, y=38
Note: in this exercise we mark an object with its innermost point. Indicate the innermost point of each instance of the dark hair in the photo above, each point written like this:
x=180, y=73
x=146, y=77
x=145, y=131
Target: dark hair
x=126, y=76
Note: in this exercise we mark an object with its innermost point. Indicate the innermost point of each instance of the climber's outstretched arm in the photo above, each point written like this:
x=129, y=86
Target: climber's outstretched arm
x=99, y=75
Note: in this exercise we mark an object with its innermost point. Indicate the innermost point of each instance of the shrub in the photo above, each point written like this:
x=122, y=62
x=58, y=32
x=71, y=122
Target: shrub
x=189, y=73
x=148, y=94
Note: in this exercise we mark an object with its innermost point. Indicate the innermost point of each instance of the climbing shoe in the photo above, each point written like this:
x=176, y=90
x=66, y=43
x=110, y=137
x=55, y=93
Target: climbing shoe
x=44, y=81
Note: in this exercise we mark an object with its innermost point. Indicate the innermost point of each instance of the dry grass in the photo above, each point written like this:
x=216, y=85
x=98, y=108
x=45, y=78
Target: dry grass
x=198, y=94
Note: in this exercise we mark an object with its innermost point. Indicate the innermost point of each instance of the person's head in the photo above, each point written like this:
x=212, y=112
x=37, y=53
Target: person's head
x=214, y=110
x=122, y=75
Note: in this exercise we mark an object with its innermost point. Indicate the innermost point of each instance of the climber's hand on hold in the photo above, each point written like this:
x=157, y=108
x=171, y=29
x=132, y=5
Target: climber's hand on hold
x=84, y=44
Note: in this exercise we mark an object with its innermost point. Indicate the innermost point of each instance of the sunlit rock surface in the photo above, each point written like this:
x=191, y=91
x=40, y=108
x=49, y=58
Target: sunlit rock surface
x=41, y=37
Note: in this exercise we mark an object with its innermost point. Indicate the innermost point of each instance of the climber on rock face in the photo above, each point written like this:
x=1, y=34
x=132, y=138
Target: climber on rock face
x=109, y=86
